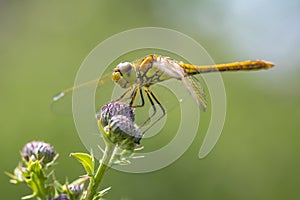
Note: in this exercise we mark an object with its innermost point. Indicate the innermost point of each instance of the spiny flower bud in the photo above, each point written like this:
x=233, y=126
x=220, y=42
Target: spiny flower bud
x=113, y=109
x=122, y=128
x=38, y=151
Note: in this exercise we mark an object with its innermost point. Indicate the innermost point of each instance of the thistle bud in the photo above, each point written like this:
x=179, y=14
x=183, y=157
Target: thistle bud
x=123, y=128
x=113, y=109
x=38, y=151
x=117, y=121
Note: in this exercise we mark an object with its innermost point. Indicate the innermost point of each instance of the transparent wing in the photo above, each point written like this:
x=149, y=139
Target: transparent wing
x=193, y=85
x=196, y=90
x=169, y=67
x=62, y=102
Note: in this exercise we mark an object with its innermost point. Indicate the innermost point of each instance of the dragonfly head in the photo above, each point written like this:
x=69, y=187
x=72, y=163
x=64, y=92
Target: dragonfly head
x=124, y=74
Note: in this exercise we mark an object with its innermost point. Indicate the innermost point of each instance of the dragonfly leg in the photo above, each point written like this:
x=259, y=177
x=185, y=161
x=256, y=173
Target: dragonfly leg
x=133, y=95
x=151, y=96
x=153, y=107
x=159, y=104
x=124, y=94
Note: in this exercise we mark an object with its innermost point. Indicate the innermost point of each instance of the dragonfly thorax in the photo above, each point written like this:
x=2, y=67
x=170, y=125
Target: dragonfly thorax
x=124, y=74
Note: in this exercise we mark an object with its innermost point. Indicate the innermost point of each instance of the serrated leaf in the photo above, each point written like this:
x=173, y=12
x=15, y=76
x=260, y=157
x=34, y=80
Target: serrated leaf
x=86, y=160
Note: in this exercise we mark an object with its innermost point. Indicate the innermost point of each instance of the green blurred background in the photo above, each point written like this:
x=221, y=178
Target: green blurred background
x=43, y=43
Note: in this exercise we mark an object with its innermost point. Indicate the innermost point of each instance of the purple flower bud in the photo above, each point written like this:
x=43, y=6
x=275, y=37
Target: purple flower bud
x=76, y=189
x=123, y=128
x=113, y=109
x=38, y=151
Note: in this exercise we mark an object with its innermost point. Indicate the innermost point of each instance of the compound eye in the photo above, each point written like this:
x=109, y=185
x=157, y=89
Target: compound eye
x=124, y=68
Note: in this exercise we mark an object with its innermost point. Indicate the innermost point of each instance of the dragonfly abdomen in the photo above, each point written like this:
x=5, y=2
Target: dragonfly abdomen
x=235, y=66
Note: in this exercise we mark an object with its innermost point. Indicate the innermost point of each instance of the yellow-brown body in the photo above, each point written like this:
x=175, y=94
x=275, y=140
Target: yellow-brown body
x=154, y=68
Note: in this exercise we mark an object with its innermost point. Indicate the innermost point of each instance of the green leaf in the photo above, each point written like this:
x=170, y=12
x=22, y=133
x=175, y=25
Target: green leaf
x=86, y=160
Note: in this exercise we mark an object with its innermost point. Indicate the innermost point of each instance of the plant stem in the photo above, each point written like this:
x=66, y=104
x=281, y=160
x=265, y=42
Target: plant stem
x=103, y=167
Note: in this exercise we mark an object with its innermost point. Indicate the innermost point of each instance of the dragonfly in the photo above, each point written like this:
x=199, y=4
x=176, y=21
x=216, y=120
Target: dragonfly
x=138, y=76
